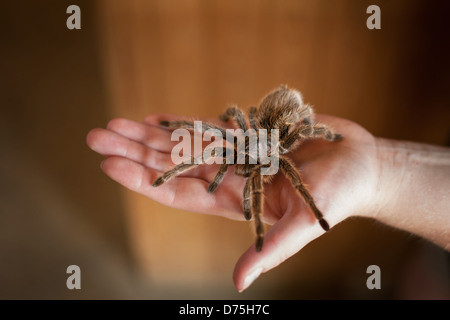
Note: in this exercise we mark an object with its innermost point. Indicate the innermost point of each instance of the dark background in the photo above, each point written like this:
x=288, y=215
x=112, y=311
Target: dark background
x=133, y=58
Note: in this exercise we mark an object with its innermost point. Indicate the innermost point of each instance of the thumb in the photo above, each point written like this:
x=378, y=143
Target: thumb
x=284, y=239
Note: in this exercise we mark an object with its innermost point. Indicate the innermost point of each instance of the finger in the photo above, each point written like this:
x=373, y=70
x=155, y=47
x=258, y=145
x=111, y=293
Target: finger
x=109, y=143
x=285, y=238
x=160, y=138
x=153, y=137
x=177, y=193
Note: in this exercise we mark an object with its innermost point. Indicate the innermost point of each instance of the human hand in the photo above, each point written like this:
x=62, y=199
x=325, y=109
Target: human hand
x=342, y=178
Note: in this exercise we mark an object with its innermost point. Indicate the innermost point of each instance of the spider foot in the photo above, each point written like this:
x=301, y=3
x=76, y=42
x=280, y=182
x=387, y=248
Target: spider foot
x=158, y=182
x=212, y=187
x=247, y=215
x=324, y=224
x=259, y=244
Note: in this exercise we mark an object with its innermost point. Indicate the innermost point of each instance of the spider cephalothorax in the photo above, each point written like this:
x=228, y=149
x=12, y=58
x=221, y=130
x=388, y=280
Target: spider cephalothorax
x=282, y=111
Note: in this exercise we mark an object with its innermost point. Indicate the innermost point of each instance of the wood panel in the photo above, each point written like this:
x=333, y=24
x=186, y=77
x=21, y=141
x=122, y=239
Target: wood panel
x=196, y=57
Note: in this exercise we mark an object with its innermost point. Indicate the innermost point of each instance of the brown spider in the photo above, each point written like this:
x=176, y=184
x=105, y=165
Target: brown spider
x=281, y=109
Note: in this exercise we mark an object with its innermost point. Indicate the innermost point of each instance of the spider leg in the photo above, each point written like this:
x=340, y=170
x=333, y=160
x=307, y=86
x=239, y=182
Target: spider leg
x=246, y=202
x=308, y=131
x=190, y=125
x=307, y=114
x=227, y=152
x=252, y=118
x=290, y=139
x=218, y=178
x=257, y=200
x=294, y=176
x=321, y=131
x=182, y=167
x=237, y=115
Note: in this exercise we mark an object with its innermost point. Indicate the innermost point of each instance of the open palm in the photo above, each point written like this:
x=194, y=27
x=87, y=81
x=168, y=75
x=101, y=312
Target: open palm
x=341, y=176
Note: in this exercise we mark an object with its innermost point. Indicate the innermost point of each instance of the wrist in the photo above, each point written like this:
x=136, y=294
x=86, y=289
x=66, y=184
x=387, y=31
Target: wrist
x=392, y=172
x=412, y=191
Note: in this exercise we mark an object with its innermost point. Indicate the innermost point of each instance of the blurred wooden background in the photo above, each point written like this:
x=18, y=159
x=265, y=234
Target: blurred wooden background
x=195, y=57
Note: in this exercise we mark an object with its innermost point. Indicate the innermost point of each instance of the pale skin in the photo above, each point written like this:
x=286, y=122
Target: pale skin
x=402, y=184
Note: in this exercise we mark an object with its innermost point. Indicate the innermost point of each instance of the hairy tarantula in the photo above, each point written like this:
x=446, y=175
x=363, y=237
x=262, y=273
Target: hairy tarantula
x=281, y=109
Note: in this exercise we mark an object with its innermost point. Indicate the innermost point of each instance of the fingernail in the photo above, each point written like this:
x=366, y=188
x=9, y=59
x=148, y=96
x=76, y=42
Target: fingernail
x=251, y=278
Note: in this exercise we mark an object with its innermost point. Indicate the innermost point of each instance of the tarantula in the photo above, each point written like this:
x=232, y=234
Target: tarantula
x=281, y=109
